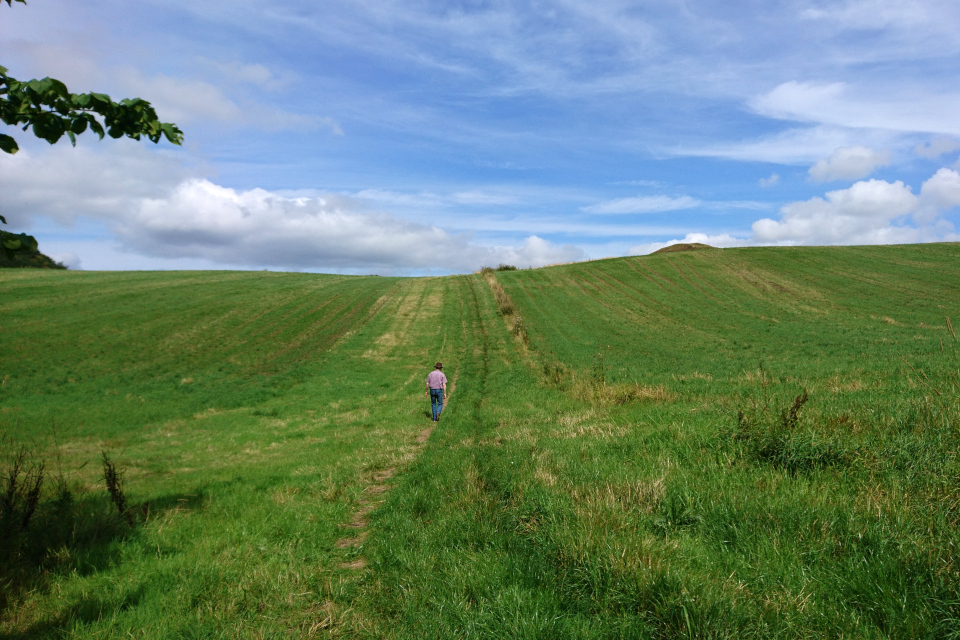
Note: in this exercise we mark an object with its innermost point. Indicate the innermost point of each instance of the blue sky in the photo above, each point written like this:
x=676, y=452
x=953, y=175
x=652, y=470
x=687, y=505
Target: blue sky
x=436, y=137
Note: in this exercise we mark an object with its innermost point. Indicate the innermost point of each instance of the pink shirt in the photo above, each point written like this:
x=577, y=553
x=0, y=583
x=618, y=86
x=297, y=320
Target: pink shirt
x=436, y=379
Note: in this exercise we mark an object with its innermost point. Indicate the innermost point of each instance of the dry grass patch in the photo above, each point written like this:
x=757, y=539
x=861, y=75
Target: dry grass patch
x=621, y=393
x=286, y=495
x=643, y=495
x=837, y=384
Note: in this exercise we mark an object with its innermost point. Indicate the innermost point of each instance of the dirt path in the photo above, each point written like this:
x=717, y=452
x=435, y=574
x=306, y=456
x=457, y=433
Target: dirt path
x=356, y=529
x=373, y=497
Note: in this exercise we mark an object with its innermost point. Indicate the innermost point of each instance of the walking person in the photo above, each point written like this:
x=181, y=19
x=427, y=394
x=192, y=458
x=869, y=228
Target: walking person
x=436, y=389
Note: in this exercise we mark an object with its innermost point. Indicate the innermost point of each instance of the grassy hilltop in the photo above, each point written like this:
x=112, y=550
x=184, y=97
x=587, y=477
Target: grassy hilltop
x=738, y=443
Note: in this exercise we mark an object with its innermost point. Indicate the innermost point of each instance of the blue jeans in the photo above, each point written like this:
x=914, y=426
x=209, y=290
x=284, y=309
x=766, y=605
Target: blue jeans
x=436, y=402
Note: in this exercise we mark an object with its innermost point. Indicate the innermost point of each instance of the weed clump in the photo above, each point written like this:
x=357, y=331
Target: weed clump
x=781, y=443
x=556, y=373
x=677, y=512
x=21, y=495
x=519, y=330
x=114, y=481
x=61, y=529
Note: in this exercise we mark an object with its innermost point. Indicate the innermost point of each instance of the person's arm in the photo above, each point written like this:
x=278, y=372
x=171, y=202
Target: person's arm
x=427, y=392
x=444, y=390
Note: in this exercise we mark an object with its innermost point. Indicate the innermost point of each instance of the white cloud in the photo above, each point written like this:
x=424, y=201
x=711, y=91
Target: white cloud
x=69, y=259
x=200, y=219
x=186, y=101
x=794, y=146
x=155, y=208
x=937, y=147
x=183, y=98
x=179, y=100
x=839, y=104
x=849, y=163
x=940, y=193
x=250, y=73
x=869, y=212
x=102, y=180
x=859, y=215
x=643, y=204
x=774, y=179
x=871, y=14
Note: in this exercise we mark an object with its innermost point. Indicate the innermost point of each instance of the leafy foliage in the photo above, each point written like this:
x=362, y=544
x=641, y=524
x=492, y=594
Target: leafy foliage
x=52, y=111
x=20, y=250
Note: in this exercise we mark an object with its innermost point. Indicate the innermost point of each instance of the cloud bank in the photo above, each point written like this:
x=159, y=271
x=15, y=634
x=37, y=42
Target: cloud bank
x=200, y=219
x=849, y=163
x=154, y=207
x=868, y=212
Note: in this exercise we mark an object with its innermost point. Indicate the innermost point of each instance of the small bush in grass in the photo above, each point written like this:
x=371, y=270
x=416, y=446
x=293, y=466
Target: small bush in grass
x=43, y=531
x=777, y=438
x=556, y=373
x=506, y=267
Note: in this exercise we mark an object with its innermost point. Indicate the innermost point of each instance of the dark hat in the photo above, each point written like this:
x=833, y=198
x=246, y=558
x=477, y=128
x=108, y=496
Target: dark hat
x=439, y=365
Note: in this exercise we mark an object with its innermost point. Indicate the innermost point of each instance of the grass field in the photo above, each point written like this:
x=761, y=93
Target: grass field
x=736, y=443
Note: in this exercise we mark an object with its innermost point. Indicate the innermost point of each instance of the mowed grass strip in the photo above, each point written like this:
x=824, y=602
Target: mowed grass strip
x=248, y=413
x=795, y=477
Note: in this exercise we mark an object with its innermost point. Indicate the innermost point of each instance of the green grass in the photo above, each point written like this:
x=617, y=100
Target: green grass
x=249, y=410
x=626, y=452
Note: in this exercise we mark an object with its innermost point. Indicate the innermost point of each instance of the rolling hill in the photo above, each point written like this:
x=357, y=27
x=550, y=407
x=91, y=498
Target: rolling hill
x=728, y=443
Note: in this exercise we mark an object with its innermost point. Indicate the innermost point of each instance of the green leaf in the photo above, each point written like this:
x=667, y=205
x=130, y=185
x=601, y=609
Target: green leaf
x=8, y=145
x=172, y=133
x=96, y=127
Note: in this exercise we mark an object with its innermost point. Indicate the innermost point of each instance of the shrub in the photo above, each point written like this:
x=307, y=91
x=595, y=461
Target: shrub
x=556, y=373
x=67, y=529
x=778, y=439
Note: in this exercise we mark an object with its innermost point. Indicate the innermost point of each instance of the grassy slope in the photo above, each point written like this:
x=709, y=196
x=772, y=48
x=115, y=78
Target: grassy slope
x=542, y=510
x=540, y=507
x=250, y=410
